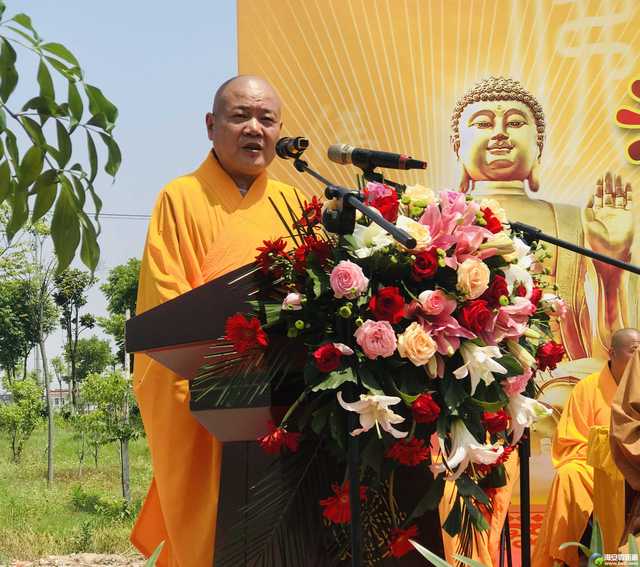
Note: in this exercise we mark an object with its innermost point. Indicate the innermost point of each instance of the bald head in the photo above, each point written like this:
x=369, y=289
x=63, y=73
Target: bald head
x=242, y=83
x=244, y=127
x=624, y=343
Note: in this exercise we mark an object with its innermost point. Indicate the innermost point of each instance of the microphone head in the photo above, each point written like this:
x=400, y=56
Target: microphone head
x=340, y=153
x=281, y=148
x=291, y=147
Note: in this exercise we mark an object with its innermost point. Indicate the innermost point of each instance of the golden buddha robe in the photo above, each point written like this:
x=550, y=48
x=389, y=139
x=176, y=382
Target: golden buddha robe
x=570, y=501
x=201, y=228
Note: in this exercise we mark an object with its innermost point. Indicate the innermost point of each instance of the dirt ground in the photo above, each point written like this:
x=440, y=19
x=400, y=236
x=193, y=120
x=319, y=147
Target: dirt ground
x=84, y=559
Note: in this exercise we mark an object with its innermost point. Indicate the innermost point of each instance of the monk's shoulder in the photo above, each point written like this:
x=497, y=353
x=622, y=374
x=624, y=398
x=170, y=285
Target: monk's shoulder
x=588, y=385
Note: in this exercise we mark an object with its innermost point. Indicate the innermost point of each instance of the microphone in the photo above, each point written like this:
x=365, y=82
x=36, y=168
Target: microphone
x=370, y=159
x=291, y=147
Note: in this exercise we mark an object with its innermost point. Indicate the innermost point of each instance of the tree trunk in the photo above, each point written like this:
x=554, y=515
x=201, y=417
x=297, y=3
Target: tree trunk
x=96, y=449
x=81, y=455
x=50, y=421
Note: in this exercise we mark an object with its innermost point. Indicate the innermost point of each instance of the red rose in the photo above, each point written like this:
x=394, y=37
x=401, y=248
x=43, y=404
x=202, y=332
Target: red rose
x=493, y=222
x=549, y=354
x=495, y=422
x=425, y=409
x=319, y=250
x=388, y=305
x=383, y=198
x=269, y=253
x=497, y=289
x=245, y=333
x=338, y=508
x=400, y=544
x=327, y=357
x=425, y=265
x=410, y=453
x=476, y=315
x=279, y=438
x=536, y=295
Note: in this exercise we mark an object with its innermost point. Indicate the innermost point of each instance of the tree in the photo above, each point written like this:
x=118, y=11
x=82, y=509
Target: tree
x=93, y=356
x=47, y=164
x=70, y=295
x=111, y=396
x=20, y=417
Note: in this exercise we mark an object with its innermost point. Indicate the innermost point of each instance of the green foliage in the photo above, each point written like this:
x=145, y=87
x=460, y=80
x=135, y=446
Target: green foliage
x=114, y=326
x=121, y=287
x=45, y=172
x=95, y=503
x=93, y=355
x=20, y=417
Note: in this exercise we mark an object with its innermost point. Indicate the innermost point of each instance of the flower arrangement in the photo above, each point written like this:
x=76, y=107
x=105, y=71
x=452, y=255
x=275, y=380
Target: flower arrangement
x=434, y=349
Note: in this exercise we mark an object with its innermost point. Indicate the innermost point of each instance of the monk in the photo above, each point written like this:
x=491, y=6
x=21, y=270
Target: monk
x=570, y=501
x=204, y=224
x=624, y=439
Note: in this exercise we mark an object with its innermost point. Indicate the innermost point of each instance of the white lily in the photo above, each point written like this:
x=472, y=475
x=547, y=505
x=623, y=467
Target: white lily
x=479, y=363
x=465, y=449
x=524, y=412
x=369, y=239
x=374, y=410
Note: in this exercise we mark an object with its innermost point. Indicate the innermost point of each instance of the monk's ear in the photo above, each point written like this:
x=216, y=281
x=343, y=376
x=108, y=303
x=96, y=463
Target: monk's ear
x=209, y=120
x=534, y=177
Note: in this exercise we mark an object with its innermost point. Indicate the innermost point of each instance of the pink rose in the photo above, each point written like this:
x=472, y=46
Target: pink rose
x=376, y=338
x=435, y=302
x=515, y=385
x=348, y=280
x=473, y=278
x=553, y=305
x=293, y=302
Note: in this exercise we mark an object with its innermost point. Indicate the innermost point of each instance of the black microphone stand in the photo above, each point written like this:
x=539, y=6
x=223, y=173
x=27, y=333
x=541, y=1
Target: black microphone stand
x=371, y=175
x=342, y=221
x=532, y=234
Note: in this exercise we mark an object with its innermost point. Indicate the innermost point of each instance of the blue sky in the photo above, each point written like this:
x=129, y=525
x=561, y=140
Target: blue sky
x=160, y=63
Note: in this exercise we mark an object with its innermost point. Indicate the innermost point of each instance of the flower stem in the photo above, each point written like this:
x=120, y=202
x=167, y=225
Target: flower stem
x=293, y=408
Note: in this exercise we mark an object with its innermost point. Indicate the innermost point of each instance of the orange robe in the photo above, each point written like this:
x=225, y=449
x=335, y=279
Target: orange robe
x=570, y=501
x=200, y=229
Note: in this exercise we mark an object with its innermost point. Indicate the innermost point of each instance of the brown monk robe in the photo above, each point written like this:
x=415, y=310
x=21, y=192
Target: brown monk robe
x=625, y=439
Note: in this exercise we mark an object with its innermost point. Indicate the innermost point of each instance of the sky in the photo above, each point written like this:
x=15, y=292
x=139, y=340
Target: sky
x=160, y=65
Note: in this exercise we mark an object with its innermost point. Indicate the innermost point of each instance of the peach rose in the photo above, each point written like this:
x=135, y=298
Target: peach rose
x=473, y=278
x=416, y=345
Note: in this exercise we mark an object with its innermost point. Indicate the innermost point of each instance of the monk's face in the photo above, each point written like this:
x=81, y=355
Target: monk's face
x=498, y=140
x=625, y=348
x=245, y=127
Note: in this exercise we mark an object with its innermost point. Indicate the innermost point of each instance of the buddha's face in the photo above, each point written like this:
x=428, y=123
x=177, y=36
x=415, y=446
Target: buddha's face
x=498, y=140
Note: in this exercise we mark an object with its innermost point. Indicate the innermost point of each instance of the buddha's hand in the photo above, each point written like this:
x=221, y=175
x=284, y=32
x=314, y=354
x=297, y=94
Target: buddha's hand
x=608, y=222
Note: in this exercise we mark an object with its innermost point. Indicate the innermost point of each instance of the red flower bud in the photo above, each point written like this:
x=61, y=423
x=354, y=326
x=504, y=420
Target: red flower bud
x=425, y=409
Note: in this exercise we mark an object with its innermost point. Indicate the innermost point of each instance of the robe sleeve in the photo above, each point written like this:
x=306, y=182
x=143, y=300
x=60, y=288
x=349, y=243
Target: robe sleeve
x=572, y=433
x=625, y=423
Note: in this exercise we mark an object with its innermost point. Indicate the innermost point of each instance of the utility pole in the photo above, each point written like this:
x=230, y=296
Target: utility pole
x=124, y=441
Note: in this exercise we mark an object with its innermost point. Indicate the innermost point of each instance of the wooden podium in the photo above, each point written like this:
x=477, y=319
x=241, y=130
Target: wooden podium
x=182, y=335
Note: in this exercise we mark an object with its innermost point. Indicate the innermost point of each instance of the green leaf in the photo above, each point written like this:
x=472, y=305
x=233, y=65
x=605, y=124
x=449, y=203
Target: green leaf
x=76, y=107
x=93, y=157
x=89, y=249
x=511, y=364
x=430, y=499
x=114, y=157
x=582, y=547
x=3, y=121
x=31, y=166
x=64, y=145
x=34, y=130
x=154, y=556
x=100, y=104
x=61, y=51
x=5, y=180
x=468, y=561
x=488, y=406
x=33, y=41
x=97, y=202
x=597, y=544
x=65, y=226
x=23, y=20
x=454, y=519
x=8, y=72
x=429, y=555
x=44, y=106
x=466, y=487
x=12, y=148
x=19, y=210
x=79, y=192
x=335, y=380
x=45, y=81
x=2, y=8
x=69, y=73
x=45, y=189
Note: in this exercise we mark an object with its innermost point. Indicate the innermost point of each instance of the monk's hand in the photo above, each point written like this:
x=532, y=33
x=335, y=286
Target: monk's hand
x=607, y=220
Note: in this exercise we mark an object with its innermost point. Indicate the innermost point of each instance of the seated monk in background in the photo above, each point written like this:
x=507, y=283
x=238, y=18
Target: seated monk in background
x=570, y=501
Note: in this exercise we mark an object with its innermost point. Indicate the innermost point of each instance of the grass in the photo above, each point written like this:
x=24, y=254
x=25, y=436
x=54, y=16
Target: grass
x=36, y=521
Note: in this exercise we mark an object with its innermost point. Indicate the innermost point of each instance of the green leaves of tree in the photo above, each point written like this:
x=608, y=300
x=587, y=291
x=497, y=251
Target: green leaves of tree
x=60, y=188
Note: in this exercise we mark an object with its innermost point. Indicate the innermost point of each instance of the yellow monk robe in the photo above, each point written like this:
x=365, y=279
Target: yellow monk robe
x=200, y=229
x=486, y=544
x=570, y=501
